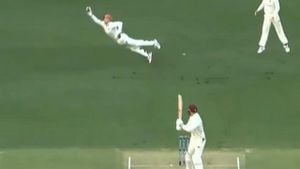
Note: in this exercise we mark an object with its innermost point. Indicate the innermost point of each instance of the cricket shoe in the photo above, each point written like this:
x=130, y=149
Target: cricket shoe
x=156, y=44
x=286, y=48
x=261, y=49
x=149, y=57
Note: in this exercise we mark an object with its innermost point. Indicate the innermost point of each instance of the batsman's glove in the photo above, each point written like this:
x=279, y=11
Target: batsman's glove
x=179, y=124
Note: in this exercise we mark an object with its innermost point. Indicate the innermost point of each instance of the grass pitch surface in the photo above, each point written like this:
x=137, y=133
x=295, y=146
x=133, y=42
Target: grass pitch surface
x=159, y=159
x=95, y=158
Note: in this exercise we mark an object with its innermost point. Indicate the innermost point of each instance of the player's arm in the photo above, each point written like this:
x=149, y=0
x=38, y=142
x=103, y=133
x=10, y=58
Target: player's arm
x=277, y=7
x=190, y=126
x=94, y=18
x=260, y=7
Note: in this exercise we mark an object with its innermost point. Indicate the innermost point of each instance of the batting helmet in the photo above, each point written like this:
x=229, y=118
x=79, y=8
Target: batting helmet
x=192, y=108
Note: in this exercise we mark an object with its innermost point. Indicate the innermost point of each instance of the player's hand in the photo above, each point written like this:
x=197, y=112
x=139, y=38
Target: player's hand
x=89, y=10
x=179, y=122
x=178, y=128
x=255, y=13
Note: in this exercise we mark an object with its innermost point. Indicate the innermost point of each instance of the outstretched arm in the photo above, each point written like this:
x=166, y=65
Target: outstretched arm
x=94, y=18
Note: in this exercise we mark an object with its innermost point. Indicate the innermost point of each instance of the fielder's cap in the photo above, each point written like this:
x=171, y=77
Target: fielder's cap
x=193, y=108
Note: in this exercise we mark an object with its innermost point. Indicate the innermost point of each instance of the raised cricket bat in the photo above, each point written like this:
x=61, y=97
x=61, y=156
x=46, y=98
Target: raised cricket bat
x=179, y=106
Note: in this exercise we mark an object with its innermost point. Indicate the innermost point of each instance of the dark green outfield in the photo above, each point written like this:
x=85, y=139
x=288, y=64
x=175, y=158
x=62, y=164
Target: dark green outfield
x=64, y=83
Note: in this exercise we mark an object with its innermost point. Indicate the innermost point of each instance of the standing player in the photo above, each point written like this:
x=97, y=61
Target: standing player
x=193, y=157
x=271, y=9
x=114, y=30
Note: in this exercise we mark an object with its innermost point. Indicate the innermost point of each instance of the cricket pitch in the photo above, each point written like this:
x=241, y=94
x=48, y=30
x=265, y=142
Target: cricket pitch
x=162, y=159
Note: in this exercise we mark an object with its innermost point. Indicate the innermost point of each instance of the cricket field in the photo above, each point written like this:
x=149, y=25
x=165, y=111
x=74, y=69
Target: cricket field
x=71, y=98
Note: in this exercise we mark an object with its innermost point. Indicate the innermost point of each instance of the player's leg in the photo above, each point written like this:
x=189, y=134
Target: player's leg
x=280, y=33
x=93, y=17
x=141, y=52
x=189, y=164
x=197, y=156
x=197, y=161
x=189, y=161
x=139, y=42
x=123, y=40
x=264, y=34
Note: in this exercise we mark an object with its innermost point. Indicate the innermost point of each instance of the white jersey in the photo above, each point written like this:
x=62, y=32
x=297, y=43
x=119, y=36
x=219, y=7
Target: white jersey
x=195, y=127
x=112, y=29
x=271, y=7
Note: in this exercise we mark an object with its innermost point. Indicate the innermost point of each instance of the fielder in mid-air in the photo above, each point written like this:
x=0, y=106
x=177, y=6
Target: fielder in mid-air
x=271, y=10
x=114, y=30
x=193, y=157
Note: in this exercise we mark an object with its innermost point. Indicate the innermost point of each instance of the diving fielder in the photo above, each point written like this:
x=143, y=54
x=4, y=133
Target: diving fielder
x=271, y=9
x=114, y=30
x=193, y=157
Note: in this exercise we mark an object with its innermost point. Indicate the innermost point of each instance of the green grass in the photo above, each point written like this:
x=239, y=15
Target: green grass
x=77, y=158
x=275, y=159
x=72, y=158
x=167, y=158
x=64, y=83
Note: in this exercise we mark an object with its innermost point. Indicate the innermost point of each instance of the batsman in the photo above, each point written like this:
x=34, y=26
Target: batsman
x=193, y=157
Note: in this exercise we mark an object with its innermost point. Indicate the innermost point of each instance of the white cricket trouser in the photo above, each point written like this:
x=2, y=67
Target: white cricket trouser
x=275, y=20
x=193, y=158
x=135, y=44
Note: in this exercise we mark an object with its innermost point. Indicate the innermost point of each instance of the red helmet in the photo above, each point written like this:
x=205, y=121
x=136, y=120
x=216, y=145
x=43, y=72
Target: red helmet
x=192, y=108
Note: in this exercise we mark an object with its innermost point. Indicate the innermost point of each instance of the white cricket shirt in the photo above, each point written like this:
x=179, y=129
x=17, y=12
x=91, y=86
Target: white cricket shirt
x=271, y=7
x=195, y=127
x=112, y=29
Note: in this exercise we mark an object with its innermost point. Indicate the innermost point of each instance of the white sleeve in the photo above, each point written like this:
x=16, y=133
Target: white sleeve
x=97, y=21
x=261, y=6
x=191, y=125
x=277, y=6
